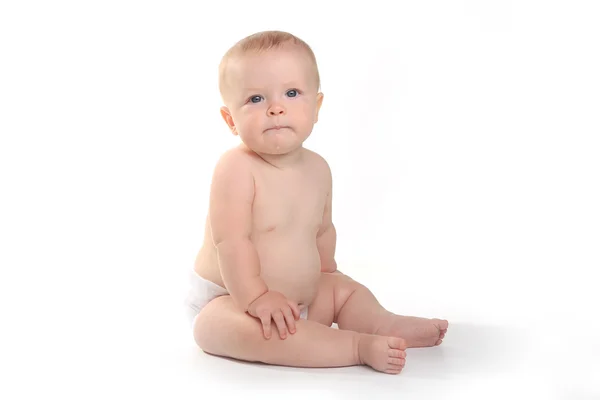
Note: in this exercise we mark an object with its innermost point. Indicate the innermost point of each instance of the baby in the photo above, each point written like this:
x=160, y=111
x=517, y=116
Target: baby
x=265, y=285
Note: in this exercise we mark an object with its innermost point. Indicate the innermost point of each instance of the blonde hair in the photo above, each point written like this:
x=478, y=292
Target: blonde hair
x=264, y=41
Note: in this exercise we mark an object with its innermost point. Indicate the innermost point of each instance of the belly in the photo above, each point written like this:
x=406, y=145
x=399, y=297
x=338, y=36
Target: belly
x=290, y=264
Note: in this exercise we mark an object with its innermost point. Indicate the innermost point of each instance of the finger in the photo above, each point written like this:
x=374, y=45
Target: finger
x=265, y=319
x=279, y=321
x=289, y=318
x=295, y=309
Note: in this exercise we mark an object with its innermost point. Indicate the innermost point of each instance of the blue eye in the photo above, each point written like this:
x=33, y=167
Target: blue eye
x=255, y=99
x=292, y=93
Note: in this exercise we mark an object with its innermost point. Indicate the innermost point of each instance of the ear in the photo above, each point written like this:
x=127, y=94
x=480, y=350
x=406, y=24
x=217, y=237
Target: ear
x=226, y=114
x=319, y=103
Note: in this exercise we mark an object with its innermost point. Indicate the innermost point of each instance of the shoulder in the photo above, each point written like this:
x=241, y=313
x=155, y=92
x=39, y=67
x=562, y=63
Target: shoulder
x=321, y=168
x=319, y=162
x=233, y=166
x=236, y=158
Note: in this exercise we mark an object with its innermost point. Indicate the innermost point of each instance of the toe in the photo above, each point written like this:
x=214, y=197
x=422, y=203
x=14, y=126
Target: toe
x=442, y=324
x=396, y=353
x=396, y=361
x=396, y=343
x=443, y=333
x=438, y=342
x=394, y=371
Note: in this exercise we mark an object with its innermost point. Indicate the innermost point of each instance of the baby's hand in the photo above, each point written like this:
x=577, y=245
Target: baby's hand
x=274, y=305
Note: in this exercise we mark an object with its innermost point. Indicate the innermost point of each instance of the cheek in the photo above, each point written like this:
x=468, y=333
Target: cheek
x=306, y=110
x=251, y=117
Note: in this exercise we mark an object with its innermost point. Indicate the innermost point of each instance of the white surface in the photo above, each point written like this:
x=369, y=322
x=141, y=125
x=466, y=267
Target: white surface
x=463, y=139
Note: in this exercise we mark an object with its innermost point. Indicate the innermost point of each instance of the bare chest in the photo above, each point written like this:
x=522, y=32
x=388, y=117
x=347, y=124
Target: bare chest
x=288, y=201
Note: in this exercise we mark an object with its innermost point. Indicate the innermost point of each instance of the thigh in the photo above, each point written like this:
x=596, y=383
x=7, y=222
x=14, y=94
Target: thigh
x=334, y=289
x=220, y=324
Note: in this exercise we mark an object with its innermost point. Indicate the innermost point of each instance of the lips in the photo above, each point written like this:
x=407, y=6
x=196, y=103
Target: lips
x=276, y=128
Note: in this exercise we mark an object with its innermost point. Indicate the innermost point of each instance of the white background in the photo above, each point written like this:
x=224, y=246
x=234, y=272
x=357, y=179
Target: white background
x=464, y=141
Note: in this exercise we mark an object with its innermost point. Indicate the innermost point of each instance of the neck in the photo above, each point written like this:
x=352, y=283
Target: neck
x=284, y=161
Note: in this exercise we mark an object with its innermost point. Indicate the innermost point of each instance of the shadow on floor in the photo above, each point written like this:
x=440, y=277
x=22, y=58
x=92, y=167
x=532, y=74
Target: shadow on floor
x=468, y=350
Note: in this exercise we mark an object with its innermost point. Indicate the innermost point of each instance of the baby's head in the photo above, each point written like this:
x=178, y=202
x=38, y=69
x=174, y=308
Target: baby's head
x=270, y=85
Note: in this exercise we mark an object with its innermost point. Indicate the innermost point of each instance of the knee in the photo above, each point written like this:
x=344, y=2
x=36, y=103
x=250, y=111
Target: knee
x=345, y=282
x=201, y=330
x=345, y=287
x=219, y=327
x=210, y=324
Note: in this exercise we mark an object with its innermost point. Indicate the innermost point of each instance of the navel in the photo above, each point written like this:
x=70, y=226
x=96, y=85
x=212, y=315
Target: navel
x=271, y=228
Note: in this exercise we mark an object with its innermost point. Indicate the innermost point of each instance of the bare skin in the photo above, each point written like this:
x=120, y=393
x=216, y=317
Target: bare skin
x=270, y=240
x=222, y=329
x=287, y=247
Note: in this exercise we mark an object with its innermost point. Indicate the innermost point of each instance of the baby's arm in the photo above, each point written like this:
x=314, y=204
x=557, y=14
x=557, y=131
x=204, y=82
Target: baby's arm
x=231, y=196
x=326, y=237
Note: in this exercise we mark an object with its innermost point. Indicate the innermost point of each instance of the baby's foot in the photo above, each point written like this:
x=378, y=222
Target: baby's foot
x=418, y=332
x=385, y=354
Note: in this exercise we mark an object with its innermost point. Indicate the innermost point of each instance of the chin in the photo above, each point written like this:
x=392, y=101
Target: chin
x=281, y=148
x=279, y=152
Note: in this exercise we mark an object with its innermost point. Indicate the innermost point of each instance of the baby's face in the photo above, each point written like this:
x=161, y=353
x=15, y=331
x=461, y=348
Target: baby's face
x=272, y=100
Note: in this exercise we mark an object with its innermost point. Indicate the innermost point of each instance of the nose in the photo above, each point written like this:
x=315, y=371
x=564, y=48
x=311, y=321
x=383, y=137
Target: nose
x=276, y=109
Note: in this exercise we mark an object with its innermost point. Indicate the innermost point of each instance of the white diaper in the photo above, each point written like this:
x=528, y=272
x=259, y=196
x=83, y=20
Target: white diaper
x=202, y=291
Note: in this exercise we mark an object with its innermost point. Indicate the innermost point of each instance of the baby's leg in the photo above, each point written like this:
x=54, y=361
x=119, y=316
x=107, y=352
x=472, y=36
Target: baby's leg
x=221, y=329
x=359, y=310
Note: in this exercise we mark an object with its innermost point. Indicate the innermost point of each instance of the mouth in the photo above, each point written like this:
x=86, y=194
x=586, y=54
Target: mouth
x=276, y=128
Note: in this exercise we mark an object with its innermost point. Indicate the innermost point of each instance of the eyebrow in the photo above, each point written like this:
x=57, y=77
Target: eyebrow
x=286, y=84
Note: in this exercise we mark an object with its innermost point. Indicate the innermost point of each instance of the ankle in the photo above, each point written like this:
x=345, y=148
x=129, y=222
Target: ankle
x=356, y=346
x=382, y=322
